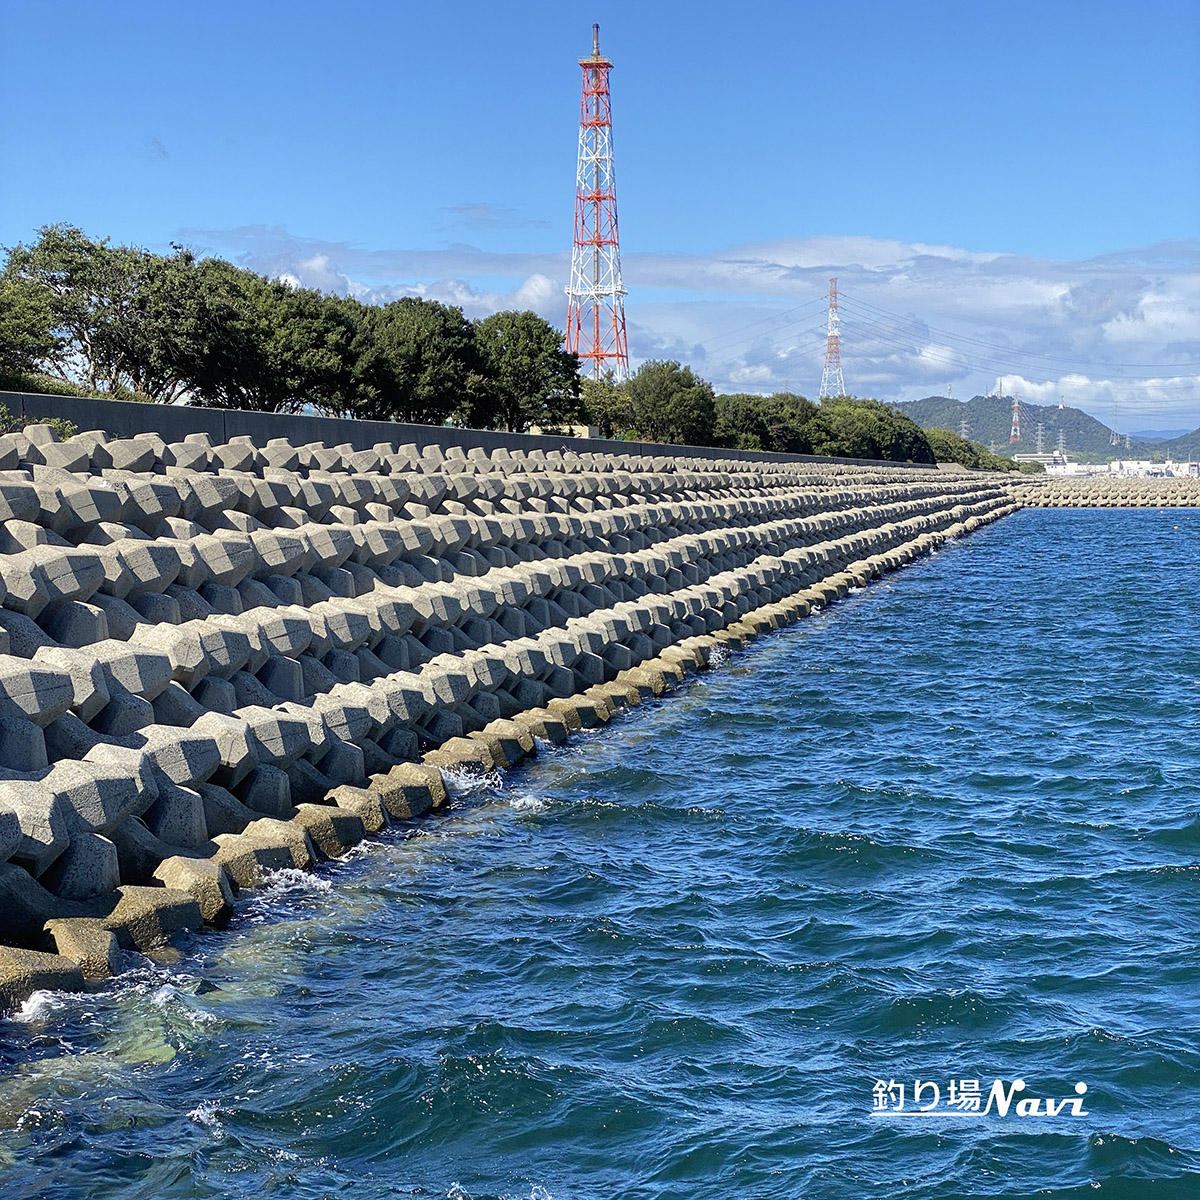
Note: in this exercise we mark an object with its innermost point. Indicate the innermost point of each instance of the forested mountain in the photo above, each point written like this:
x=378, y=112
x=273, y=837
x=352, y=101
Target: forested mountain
x=1186, y=447
x=990, y=421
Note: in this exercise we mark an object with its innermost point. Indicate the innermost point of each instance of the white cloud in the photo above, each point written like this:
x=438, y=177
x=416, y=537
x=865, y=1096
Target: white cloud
x=916, y=318
x=1148, y=403
x=538, y=292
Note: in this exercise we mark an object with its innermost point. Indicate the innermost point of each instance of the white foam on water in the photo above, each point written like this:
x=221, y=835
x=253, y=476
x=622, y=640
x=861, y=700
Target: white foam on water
x=176, y=997
x=31, y=1118
x=461, y=782
x=40, y=1005
x=365, y=847
x=207, y=1115
x=156, y=981
x=291, y=881
x=528, y=804
x=718, y=656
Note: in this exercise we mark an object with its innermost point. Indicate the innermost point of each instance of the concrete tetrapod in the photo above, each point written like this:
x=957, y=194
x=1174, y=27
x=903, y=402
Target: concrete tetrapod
x=230, y=659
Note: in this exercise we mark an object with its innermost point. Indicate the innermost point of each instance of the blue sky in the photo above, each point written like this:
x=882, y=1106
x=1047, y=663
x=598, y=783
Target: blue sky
x=1004, y=191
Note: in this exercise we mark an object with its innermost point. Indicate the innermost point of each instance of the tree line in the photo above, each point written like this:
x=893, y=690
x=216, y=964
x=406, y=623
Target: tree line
x=85, y=316
x=666, y=402
x=127, y=324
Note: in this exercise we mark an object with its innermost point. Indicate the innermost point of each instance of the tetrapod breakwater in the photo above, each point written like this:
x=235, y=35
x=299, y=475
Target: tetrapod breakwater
x=222, y=658
x=1105, y=491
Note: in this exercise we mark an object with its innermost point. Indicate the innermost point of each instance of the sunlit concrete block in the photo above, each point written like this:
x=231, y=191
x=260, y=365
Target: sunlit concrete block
x=19, y=501
x=124, y=713
x=182, y=755
x=48, y=574
x=38, y=691
x=222, y=557
x=133, y=668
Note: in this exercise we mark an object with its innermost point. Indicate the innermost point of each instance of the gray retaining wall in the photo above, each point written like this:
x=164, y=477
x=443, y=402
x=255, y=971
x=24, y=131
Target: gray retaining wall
x=124, y=419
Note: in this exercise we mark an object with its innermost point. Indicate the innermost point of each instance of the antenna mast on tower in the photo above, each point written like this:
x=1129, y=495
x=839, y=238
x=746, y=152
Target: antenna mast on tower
x=831, y=377
x=596, y=296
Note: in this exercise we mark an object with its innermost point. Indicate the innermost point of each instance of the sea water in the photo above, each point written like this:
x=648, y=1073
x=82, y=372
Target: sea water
x=945, y=833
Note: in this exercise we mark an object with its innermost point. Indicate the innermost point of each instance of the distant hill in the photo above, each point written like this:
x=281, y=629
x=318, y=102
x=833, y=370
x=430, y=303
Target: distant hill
x=1186, y=447
x=1157, y=435
x=990, y=421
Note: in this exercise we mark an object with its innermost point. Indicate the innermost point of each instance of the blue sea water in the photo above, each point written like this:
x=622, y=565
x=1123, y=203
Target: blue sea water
x=947, y=829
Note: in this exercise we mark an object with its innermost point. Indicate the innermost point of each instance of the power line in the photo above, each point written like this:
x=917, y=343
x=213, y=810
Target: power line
x=771, y=317
x=920, y=325
x=909, y=335
x=900, y=338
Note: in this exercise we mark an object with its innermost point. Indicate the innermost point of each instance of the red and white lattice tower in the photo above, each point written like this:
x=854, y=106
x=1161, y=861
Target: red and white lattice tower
x=831, y=377
x=1015, y=435
x=596, y=296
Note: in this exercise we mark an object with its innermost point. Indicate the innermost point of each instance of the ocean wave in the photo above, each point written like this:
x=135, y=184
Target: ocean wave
x=41, y=1005
x=288, y=882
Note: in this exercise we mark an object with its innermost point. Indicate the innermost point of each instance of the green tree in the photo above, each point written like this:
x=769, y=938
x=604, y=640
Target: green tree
x=88, y=288
x=27, y=339
x=776, y=423
x=415, y=360
x=136, y=325
x=531, y=379
x=310, y=357
x=606, y=405
x=846, y=427
x=668, y=403
x=949, y=446
x=249, y=342
x=156, y=345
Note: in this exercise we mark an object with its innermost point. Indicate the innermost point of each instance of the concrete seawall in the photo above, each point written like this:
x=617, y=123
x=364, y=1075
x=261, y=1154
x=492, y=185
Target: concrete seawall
x=219, y=659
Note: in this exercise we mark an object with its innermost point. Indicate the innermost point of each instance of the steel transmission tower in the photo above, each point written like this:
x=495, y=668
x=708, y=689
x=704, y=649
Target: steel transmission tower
x=1114, y=438
x=832, y=383
x=1015, y=434
x=596, y=296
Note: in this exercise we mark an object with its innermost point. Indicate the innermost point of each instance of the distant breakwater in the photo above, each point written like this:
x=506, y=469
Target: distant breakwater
x=1105, y=491
x=224, y=658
